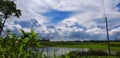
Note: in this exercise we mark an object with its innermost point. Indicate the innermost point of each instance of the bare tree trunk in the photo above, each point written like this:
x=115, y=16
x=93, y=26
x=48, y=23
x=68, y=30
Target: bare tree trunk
x=2, y=25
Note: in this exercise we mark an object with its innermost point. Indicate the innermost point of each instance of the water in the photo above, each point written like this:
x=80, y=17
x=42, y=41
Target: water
x=51, y=51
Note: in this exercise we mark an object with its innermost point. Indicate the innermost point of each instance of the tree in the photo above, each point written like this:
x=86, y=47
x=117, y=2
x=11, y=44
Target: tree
x=7, y=9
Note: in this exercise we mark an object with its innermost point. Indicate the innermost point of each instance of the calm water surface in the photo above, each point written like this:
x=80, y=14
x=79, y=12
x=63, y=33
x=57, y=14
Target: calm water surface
x=51, y=51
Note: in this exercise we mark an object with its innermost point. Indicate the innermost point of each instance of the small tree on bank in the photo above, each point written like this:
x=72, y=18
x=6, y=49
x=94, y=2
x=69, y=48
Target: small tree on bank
x=7, y=9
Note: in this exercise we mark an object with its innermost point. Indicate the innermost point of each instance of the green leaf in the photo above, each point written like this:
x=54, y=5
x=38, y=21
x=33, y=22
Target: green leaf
x=21, y=49
x=22, y=31
x=34, y=34
x=14, y=36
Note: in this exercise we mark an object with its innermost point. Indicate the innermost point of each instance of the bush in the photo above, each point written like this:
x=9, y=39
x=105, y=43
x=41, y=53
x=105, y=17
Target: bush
x=13, y=46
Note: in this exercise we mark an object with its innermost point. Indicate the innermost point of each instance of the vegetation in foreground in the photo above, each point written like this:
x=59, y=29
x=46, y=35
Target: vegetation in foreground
x=13, y=46
x=25, y=46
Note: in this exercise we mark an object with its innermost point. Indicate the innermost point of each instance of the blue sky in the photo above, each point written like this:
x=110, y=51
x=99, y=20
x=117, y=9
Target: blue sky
x=118, y=5
x=56, y=16
x=68, y=19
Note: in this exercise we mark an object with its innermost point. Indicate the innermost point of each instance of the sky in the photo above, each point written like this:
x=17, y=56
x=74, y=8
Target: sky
x=68, y=20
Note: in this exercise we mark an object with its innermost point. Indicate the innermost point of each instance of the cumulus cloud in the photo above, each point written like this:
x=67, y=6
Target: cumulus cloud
x=87, y=22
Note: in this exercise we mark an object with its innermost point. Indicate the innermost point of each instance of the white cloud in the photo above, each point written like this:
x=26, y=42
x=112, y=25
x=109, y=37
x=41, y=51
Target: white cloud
x=84, y=24
x=113, y=31
x=95, y=31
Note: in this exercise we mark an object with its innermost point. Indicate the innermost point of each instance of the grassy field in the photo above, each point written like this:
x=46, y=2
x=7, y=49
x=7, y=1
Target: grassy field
x=100, y=57
x=115, y=46
x=90, y=57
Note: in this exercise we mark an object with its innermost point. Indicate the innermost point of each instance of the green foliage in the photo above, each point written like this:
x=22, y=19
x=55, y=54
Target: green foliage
x=31, y=35
x=55, y=53
x=7, y=9
x=13, y=46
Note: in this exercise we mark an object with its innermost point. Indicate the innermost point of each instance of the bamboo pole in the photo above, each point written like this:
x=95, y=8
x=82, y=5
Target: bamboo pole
x=107, y=31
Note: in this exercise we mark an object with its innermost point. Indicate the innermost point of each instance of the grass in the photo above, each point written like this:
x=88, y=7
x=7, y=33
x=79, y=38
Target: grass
x=100, y=57
x=90, y=45
x=68, y=56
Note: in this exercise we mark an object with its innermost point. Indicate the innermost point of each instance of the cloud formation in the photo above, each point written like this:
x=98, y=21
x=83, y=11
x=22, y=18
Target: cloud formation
x=76, y=19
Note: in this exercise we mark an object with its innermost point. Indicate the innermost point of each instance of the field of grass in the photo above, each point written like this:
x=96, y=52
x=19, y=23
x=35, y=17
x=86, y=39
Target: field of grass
x=90, y=57
x=100, y=57
x=115, y=46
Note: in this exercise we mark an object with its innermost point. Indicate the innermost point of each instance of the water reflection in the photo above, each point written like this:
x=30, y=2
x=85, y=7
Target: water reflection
x=51, y=51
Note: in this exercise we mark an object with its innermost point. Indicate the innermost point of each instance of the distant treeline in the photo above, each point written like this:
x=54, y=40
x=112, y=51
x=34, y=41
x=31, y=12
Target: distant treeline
x=97, y=41
x=44, y=39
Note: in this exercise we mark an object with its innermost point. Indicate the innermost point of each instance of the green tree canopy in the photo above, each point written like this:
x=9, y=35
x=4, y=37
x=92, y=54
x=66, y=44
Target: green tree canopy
x=7, y=9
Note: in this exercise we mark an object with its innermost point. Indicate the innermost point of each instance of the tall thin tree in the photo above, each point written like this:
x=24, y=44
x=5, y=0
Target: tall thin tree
x=7, y=9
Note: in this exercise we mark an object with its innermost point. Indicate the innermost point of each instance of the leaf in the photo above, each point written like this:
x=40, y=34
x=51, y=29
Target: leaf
x=21, y=49
x=25, y=34
x=22, y=31
x=33, y=33
x=14, y=36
